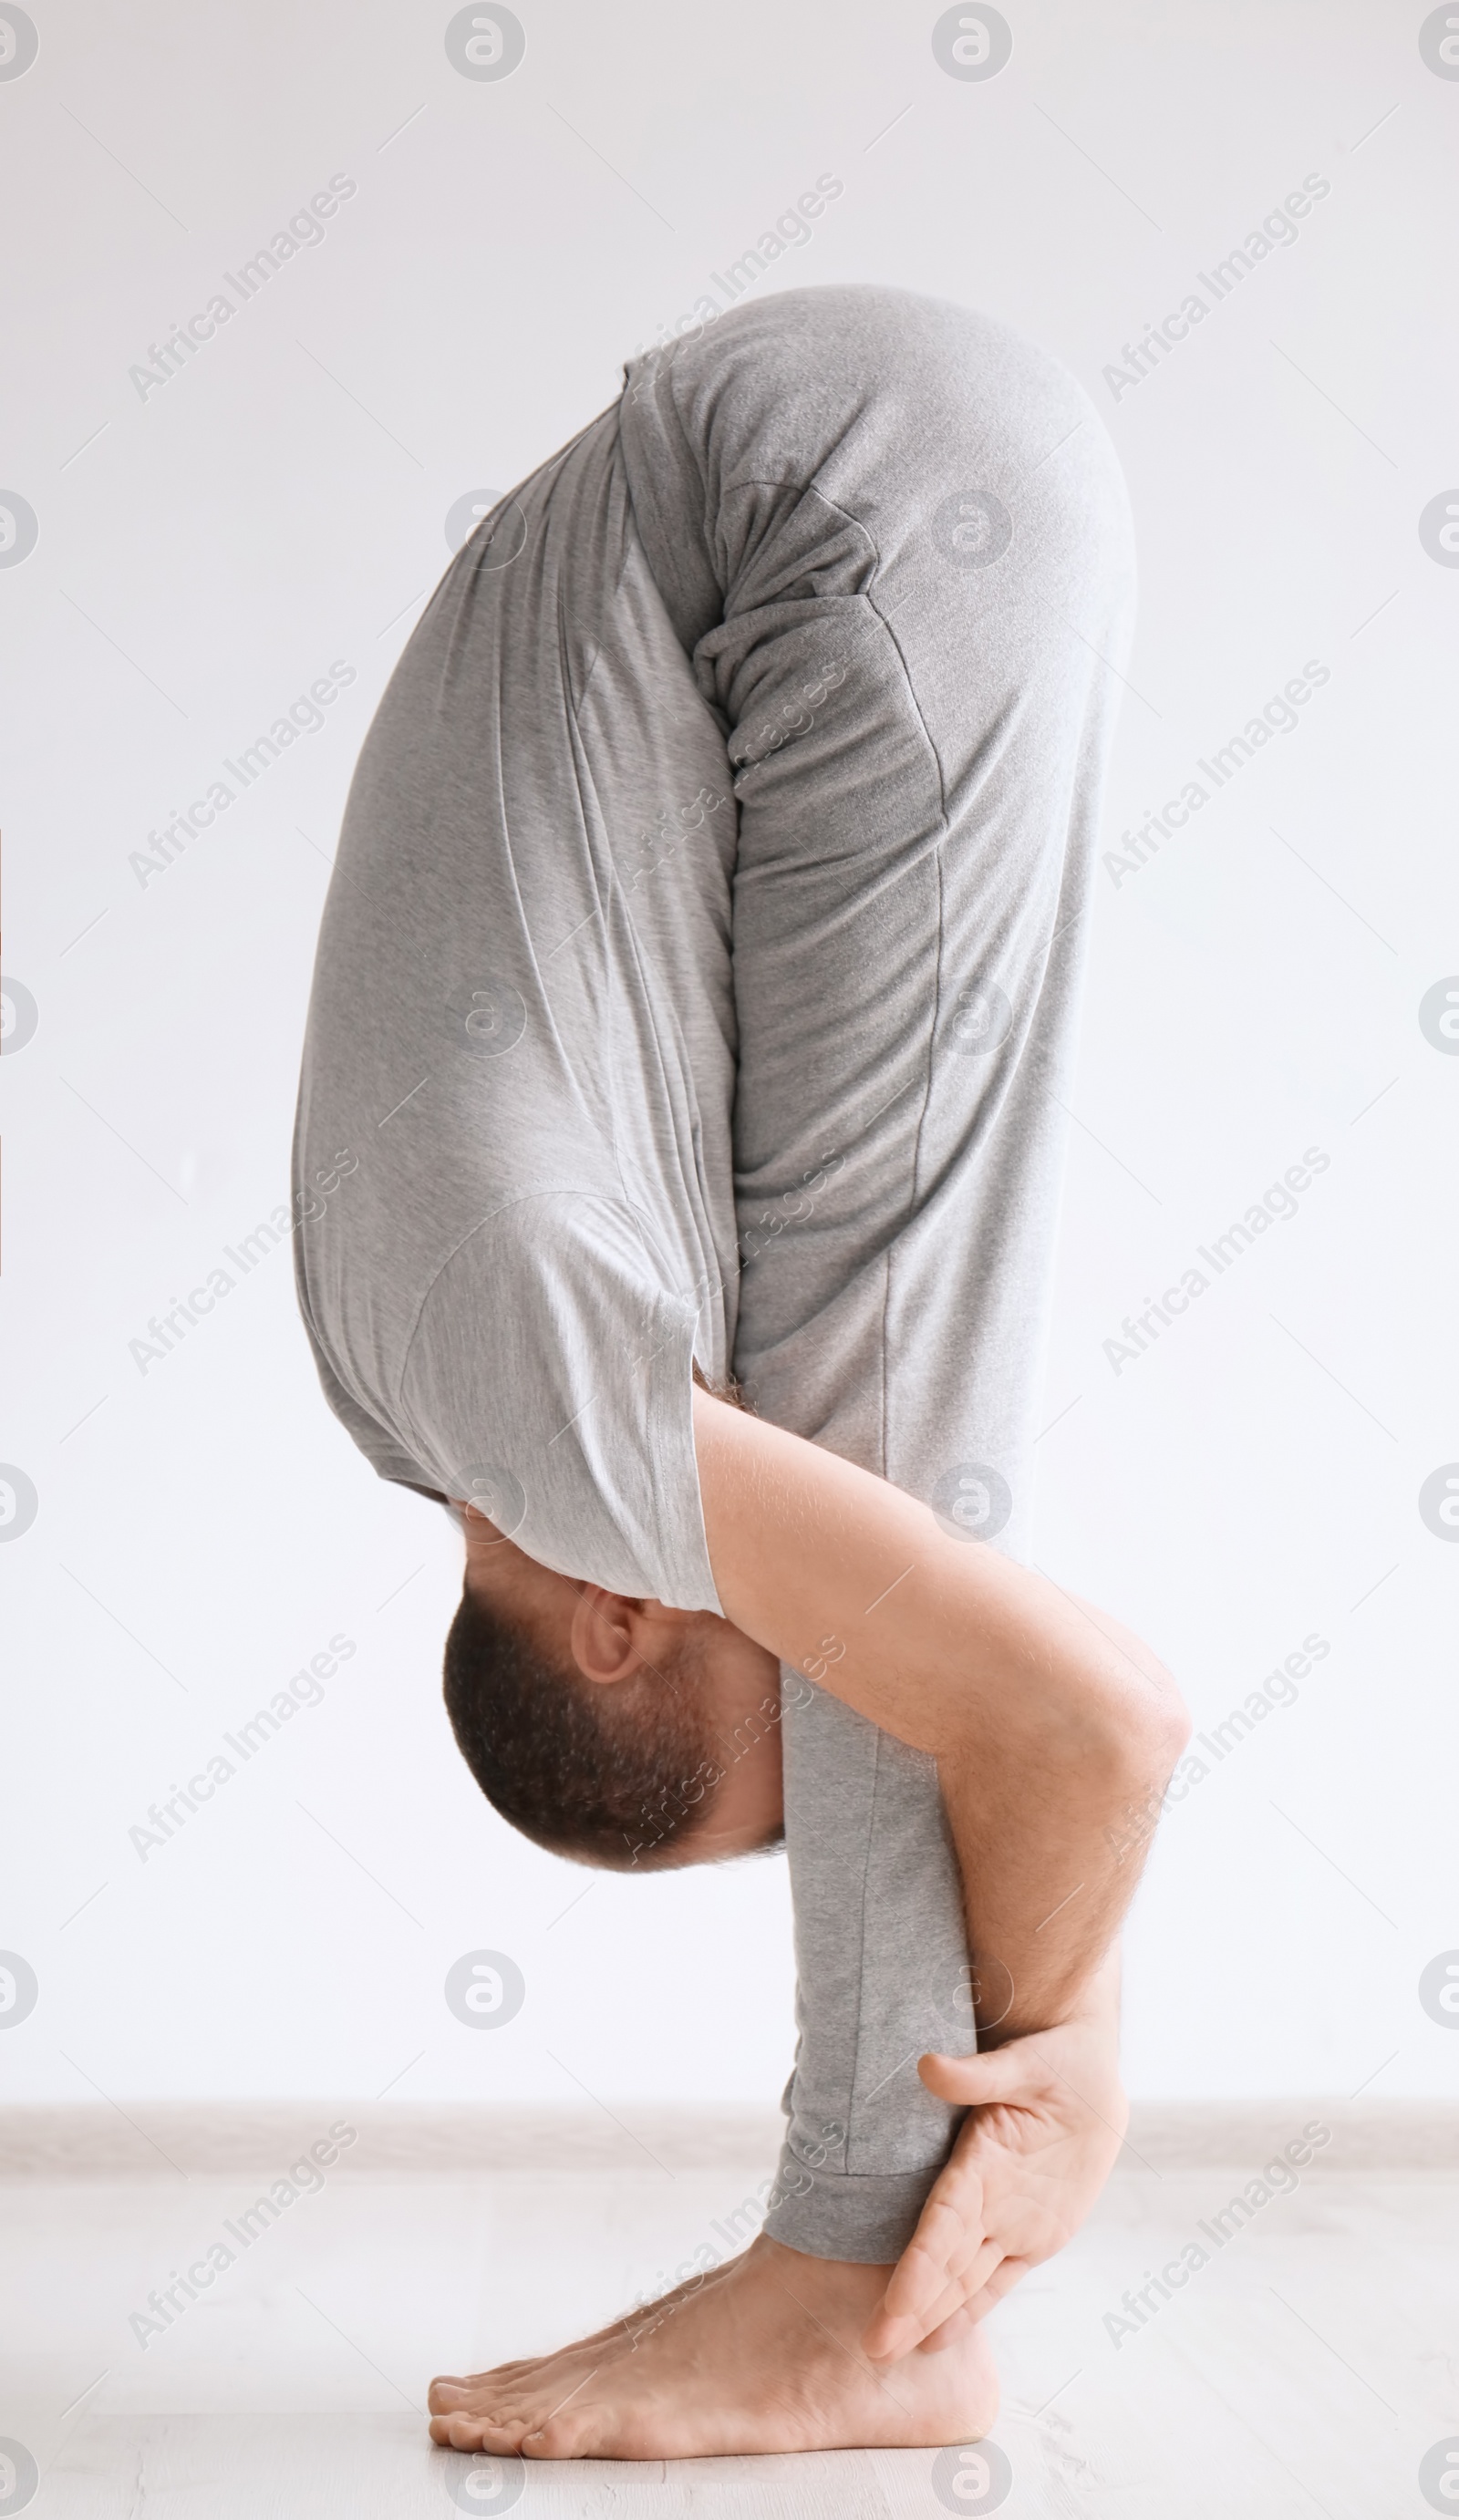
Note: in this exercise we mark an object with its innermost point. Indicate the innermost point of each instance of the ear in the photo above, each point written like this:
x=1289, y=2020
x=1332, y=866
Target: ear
x=604, y=1638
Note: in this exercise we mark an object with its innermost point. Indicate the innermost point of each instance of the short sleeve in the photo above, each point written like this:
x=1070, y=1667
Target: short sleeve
x=550, y=1379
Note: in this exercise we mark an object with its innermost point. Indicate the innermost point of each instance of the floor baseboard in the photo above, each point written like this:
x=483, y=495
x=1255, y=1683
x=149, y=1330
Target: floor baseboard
x=202, y=2139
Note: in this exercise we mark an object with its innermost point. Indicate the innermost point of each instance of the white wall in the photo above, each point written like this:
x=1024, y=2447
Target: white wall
x=208, y=552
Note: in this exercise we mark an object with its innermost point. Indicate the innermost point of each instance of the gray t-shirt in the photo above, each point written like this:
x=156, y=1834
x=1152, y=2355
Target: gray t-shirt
x=512, y=1164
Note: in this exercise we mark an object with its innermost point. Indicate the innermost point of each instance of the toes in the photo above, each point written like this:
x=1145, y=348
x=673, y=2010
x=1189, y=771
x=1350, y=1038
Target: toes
x=456, y=2432
x=566, y=2436
x=488, y=2391
x=482, y=2389
x=477, y=2432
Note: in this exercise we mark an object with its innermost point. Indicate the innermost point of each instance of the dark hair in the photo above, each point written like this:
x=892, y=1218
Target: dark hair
x=608, y=1775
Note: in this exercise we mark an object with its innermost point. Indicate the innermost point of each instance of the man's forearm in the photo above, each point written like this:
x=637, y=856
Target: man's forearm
x=1051, y=1724
x=1047, y=1876
x=1050, y=1861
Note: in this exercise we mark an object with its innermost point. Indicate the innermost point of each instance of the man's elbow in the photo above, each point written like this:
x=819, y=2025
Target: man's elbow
x=1131, y=1711
x=1146, y=1726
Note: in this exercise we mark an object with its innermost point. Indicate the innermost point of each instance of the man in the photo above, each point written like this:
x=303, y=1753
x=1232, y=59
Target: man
x=695, y=991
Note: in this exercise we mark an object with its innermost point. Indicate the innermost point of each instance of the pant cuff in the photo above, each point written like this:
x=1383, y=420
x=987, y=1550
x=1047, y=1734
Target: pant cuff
x=834, y=2214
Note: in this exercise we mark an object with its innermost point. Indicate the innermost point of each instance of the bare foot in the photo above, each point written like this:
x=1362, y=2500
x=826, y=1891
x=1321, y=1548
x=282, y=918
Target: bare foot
x=764, y=2356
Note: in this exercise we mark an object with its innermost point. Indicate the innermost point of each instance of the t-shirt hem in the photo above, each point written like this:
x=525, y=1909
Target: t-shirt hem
x=672, y=1408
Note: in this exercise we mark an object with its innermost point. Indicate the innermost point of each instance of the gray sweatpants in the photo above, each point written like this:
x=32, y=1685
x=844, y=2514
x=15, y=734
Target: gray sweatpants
x=894, y=540
x=866, y=558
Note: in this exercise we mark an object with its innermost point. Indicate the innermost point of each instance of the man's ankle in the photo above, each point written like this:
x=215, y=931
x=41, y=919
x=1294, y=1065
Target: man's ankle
x=848, y=2276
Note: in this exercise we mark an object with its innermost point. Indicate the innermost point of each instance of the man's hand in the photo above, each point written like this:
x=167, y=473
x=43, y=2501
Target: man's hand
x=1048, y=2120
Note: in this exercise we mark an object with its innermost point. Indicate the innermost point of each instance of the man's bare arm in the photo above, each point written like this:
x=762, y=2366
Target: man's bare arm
x=1050, y=1722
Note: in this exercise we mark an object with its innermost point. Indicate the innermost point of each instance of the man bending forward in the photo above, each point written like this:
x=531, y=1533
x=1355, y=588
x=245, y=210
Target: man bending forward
x=694, y=995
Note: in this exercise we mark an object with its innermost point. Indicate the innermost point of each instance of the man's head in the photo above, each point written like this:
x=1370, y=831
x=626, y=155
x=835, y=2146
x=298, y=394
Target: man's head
x=613, y=1730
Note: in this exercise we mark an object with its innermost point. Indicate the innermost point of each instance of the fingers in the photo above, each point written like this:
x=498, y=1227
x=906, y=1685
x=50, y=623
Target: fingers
x=902, y=2316
x=918, y=2281
x=927, y=2282
x=949, y=2232
x=937, y=2340
x=1000, y=2280
x=1012, y=2270
x=967, y=2277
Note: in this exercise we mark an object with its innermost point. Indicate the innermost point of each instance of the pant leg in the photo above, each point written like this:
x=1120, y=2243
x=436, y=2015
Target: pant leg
x=896, y=541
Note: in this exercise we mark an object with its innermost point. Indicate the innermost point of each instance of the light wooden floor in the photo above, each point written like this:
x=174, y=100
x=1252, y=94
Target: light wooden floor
x=1307, y=2369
